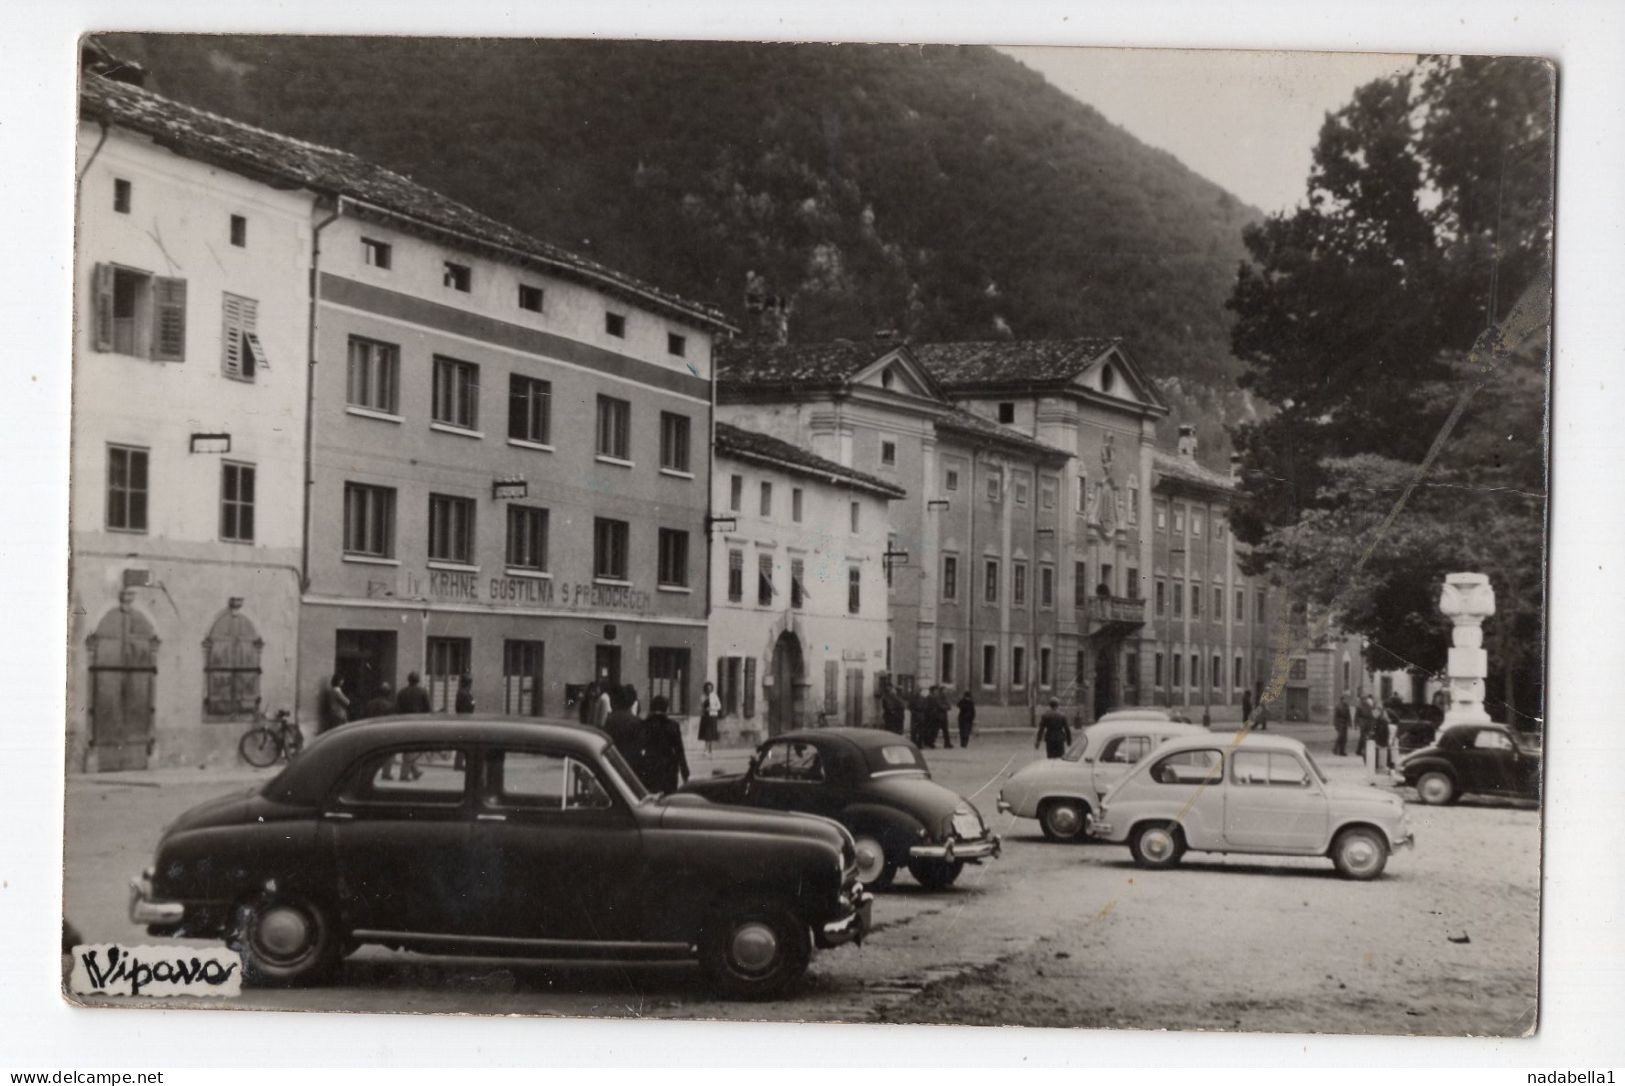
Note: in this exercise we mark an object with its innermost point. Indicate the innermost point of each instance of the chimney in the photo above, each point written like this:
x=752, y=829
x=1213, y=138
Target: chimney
x=1187, y=442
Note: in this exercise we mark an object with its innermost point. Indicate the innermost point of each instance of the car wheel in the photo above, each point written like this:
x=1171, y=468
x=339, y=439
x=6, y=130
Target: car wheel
x=287, y=940
x=1064, y=820
x=1436, y=789
x=1360, y=853
x=755, y=949
x=1157, y=844
x=258, y=748
x=935, y=874
x=875, y=870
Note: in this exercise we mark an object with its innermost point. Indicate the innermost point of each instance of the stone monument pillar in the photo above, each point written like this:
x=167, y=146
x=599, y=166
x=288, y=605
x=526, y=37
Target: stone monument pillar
x=1468, y=600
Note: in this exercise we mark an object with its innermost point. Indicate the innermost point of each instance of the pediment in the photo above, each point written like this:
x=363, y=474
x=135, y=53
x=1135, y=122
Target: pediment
x=1114, y=374
x=897, y=371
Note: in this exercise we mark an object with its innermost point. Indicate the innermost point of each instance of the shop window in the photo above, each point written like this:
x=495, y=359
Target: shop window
x=668, y=678
x=231, y=665
x=450, y=658
x=522, y=678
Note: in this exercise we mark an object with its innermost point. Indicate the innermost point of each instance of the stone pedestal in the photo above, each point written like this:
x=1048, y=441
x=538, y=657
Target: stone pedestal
x=1468, y=600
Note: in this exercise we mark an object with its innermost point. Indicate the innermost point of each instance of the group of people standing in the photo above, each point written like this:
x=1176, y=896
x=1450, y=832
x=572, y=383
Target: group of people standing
x=1376, y=725
x=333, y=705
x=651, y=745
x=925, y=716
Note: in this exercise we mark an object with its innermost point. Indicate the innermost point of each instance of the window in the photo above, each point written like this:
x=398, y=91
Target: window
x=1218, y=603
x=948, y=672
x=950, y=480
x=1490, y=739
x=736, y=492
x=615, y=324
x=1046, y=586
x=1196, y=522
x=1133, y=501
x=1156, y=670
x=609, y=547
x=1179, y=598
x=668, y=678
x=798, y=587
x=1189, y=767
x=736, y=576
x=1080, y=584
x=239, y=231
x=522, y=678
x=887, y=377
x=369, y=520
x=1298, y=669
x=764, y=580
x=1196, y=670
x=450, y=658
x=728, y=684
x=126, y=489
x=856, y=512
x=1046, y=493
x=614, y=428
x=795, y=504
x=1161, y=514
x=121, y=196
x=1179, y=518
x=1007, y=413
x=1131, y=672
x=456, y=393
x=1218, y=527
x=1132, y=575
x=1161, y=593
x=457, y=276
x=993, y=487
x=241, y=353
x=1018, y=584
x=373, y=375
x=990, y=581
x=530, y=410
x=451, y=529
x=1021, y=487
x=1045, y=655
x=237, y=502
x=950, y=577
x=1083, y=493
x=376, y=254
x=231, y=665
x=676, y=345
x=1238, y=680
x=442, y=784
x=832, y=685
x=1125, y=750
x=1215, y=673
x=854, y=590
x=527, y=538
x=764, y=500
x=1345, y=674
x=990, y=665
x=1105, y=578
x=1179, y=671
x=1258, y=605
x=749, y=687
x=888, y=452
x=1018, y=666
x=530, y=297
x=791, y=761
x=673, y=442
x=139, y=314
x=1196, y=601
x=1267, y=769
x=673, y=566
x=548, y=782
x=1241, y=605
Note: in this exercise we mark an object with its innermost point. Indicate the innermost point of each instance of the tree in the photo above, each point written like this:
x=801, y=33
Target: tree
x=1428, y=214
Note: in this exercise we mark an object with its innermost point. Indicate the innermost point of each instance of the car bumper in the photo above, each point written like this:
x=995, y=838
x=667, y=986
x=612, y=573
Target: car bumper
x=147, y=911
x=980, y=849
x=851, y=928
x=1004, y=806
x=1406, y=839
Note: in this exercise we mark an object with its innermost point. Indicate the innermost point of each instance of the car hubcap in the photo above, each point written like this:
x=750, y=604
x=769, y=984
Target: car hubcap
x=283, y=931
x=1064, y=819
x=871, y=859
x=1434, y=789
x=1158, y=845
x=755, y=946
x=1360, y=854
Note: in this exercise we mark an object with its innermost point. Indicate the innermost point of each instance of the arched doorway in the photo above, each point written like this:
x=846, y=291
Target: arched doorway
x=1105, y=681
x=789, y=685
x=123, y=670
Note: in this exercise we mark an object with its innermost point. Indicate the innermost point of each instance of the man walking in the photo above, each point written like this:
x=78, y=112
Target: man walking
x=1342, y=717
x=465, y=694
x=383, y=702
x=892, y=710
x=1246, y=705
x=918, y=710
x=1054, y=731
x=628, y=732
x=967, y=717
x=412, y=699
x=1364, y=719
x=663, y=755
x=939, y=718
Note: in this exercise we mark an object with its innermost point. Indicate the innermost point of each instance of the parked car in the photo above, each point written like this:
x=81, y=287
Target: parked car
x=498, y=837
x=1488, y=759
x=1258, y=794
x=1064, y=793
x=878, y=786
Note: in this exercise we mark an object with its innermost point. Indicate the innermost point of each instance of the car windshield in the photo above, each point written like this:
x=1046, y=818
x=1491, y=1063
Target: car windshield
x=624, y=771
x=1075, y=751
x=1321, y=773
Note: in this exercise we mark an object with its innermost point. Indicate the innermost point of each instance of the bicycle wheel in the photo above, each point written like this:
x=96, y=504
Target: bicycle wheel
x=259, y=747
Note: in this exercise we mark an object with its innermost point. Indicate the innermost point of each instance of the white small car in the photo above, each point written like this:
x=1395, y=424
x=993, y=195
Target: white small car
x=1258, y=794
x=1064, y=793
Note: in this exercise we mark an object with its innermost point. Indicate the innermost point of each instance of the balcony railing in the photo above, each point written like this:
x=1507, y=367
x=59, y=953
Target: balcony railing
x=1114, y=611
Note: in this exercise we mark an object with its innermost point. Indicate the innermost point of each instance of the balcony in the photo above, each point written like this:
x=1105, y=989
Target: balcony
x=1114, y=616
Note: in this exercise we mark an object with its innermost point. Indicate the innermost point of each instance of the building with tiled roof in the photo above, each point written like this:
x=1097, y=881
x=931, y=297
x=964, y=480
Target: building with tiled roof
x=747, y=445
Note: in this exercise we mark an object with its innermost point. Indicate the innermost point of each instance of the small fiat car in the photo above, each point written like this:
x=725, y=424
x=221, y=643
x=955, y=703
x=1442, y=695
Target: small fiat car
x=877, y=785
x=1064, y=793
x=482, y=836
x=1261, y=794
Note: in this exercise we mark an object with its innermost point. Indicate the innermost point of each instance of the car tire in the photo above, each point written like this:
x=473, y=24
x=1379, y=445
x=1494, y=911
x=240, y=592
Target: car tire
x=258, y=747
x=1157, y=844
x=1064, y=819
x=755, y=948
x=1436, y=789
x=1360, y=853
x=876, y=870
x=287, y=940
x=935, y=874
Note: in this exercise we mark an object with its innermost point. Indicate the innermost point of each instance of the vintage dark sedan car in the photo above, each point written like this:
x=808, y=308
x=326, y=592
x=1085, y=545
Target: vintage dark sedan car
x=1488, y=759
x=877, y=785
x=474, y=835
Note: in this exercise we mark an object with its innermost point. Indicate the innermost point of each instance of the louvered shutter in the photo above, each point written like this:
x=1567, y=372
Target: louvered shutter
x=241, y=354
x=102, y=293
x=169, y=320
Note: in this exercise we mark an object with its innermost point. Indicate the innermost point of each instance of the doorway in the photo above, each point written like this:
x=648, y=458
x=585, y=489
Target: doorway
x=606, y=665
x=789, y=685
x=123, y=673
x=1105, y=681
x=363, y=660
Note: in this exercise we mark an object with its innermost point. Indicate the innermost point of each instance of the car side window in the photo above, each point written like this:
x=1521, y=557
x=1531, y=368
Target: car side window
x=1189, y=767
x=1276, y=769
x=415, y=777
x=792, y=761
x=537, y=779
x=1488, y=739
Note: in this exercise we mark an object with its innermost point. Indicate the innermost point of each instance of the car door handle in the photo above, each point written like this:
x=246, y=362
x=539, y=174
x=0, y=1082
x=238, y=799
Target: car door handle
x=491, y=817
x=338, y=816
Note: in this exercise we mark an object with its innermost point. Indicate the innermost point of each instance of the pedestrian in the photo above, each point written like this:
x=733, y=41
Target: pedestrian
x=1365, y=718
x=916, y=720
x=382, y=702
x=411, y=699
x=603, y=705
x=1054, y=731
x=663, y=753
x=1342, y=717
x=584, y=702
x=332, y=706
x=892, y=709
x=627, y=732
x=632, y=702
x=465, y=694
x=1374, y=728
x=1246, y=705
x=1261, y=716
x=710, y=713
x=967, y=717
x=939, y=716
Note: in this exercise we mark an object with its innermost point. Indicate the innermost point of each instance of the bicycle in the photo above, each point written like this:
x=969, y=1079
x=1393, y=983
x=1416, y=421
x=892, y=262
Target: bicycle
x=270, y=739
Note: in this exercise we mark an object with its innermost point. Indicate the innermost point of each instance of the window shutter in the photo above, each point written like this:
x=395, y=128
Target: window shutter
x=750, y=686
x=102, y=290
x=169, y=320
x=832, y=678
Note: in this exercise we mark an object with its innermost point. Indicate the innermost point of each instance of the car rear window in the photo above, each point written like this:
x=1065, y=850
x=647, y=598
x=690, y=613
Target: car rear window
x=894, y=758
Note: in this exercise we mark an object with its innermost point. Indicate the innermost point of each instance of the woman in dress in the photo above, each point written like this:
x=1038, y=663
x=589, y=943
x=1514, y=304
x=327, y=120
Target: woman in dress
x=710, y=712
